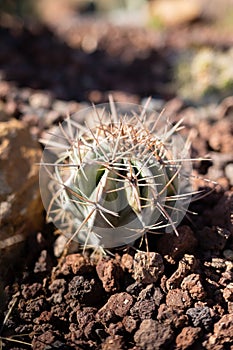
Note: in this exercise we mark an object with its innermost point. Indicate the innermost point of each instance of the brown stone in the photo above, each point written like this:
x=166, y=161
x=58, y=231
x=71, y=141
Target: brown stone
x=153, y=335
x=20, y=203
x=148, y=266
x=187, y=337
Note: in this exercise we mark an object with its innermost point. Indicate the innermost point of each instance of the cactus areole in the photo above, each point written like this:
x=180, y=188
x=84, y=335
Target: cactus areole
x=123, y=174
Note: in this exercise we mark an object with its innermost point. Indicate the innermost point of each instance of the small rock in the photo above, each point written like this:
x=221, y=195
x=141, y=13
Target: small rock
x=30, y=291
x=57, y=288
x=186, y=265
x=59, y=245
x=145, y=306
x=229, y=172
x=116, y=328
x=187, y=337
x=230, y=307
x=120, y=303
x=153, y=335
x=113, y=342
x=228, y=292
x=127, y=262
x=172, y=316
x=148, y=266
x=129, y=323
x=223, y=332
x=117, y=306
x=85, y=290
x=44, y=263
x=177, y=298
x=76, y=264
x=192, y=283
x=20, y=202
x=85, y=316
x=45, y=340
x=201, y=317
x=110, y=273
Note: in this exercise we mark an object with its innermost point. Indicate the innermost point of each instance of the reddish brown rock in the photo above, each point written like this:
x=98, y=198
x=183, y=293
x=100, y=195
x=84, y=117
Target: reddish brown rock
x=148, y=266
x=76, y=264
x=222, y=334
x=228, y=292
x=20, y=203
x=186, y=265
x=110, y=273
x=177, y=298
x=120, y=303
x=192, y=283
x=114, y=342
x=127, y=262
x=187, y=337
x=129, y=323
x=153, y=335
x=172, y=316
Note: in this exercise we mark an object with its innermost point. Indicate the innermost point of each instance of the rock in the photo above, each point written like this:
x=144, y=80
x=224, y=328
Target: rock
x=228, y=292
x=120, y=303
x=177, y=298
x=187, y=337
x=172, y=316
x=186, y=265
x=192, y=283
x=222, y=334
x=153, y=335
x=145, y=307
x=20, y=203
x=229, y=172
x=114, y=342
x=110, y=273
x=148, y=266
x=201, y=316
x=76, y=264
x=129, y=323
x=86, y=290
x=117, y=306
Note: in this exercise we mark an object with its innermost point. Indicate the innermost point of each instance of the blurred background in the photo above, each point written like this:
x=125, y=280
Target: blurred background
x=81, y=50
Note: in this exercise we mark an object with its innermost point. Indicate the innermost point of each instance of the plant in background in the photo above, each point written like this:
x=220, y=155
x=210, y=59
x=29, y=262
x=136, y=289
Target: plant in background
x=123, y=174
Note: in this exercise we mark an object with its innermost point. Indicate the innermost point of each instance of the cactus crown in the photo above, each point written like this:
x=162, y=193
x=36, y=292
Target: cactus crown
x=121, y=175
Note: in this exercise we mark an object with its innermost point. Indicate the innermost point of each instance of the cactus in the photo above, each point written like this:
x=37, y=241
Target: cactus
x=122, y=174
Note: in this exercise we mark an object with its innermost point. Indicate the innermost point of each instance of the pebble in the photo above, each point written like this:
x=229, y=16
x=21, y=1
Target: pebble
x=187, y=337
x=148, y=266
x=229, y=172
x=223, y=333
x=201, y=317
x=153, y=335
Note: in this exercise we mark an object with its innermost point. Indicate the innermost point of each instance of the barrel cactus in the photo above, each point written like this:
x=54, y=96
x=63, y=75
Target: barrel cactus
x=123, y=173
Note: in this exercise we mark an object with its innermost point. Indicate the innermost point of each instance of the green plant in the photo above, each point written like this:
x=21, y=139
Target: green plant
x=123, y=174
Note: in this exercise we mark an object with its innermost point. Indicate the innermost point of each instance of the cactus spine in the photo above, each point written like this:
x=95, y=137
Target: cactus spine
x=121, y=175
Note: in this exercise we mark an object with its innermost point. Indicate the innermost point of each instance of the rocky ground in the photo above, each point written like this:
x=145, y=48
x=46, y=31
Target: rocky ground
x=177, y=296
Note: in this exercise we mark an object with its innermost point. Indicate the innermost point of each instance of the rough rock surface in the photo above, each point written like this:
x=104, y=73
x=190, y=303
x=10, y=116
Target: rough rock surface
x=20, y=203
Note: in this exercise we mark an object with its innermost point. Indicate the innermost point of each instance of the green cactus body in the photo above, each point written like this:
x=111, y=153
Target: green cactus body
x=114, y=181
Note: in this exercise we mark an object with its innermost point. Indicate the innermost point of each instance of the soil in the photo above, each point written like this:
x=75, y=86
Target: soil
x=179, y=294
